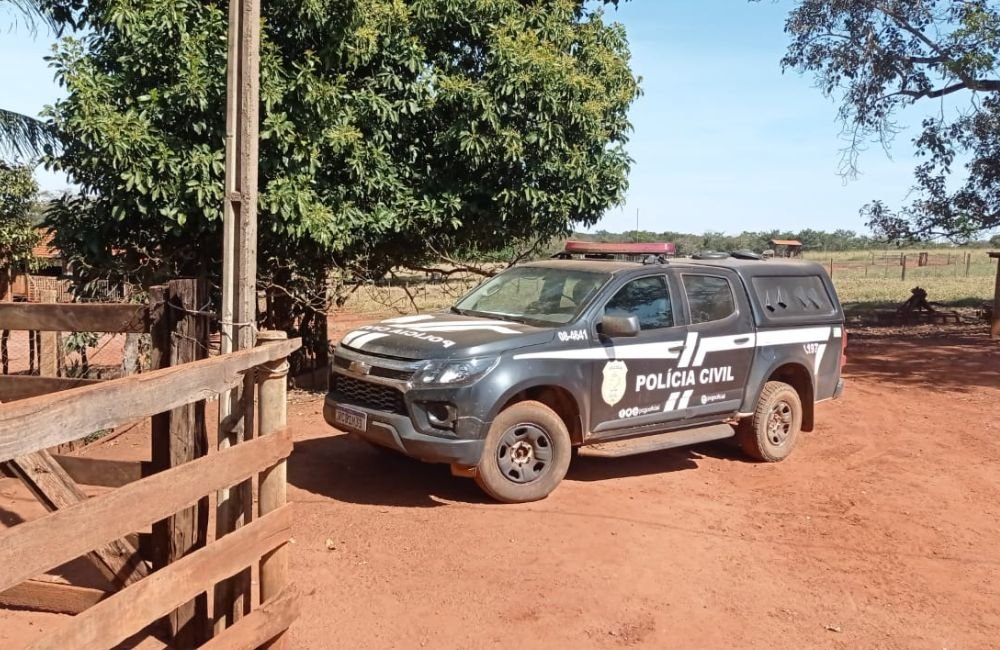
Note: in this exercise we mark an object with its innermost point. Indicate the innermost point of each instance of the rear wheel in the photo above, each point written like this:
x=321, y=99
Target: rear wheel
x=526, y=455
x=771, y=433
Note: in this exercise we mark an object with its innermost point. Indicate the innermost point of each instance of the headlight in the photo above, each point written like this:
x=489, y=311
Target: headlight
x=455, y=372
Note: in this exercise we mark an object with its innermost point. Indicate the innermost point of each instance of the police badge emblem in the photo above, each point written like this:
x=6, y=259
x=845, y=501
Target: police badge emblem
x=615, y=382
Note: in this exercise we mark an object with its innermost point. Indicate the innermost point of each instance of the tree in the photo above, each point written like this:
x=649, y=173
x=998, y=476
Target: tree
x=23, y=136
x=882, y=56
x=392, y=133
x=17, y=234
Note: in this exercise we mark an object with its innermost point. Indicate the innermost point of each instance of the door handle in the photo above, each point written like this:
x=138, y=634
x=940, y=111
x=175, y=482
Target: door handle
x=741, y=341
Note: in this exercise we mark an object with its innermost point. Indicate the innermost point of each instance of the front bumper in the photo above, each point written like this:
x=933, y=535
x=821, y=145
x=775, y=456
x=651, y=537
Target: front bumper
x=397, y=432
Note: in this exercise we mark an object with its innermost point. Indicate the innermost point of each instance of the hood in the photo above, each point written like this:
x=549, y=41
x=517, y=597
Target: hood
x=443, y=335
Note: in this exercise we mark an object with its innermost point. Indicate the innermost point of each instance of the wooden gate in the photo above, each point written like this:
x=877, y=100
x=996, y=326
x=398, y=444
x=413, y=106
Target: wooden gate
x=104, y=527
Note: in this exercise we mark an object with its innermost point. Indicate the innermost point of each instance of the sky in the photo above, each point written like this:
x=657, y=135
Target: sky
x=723, y=140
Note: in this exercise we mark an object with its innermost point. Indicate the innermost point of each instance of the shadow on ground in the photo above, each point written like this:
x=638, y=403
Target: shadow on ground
x=349, y=470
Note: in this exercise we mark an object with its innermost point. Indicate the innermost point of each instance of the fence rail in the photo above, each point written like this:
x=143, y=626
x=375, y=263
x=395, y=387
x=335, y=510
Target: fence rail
x=166, y=493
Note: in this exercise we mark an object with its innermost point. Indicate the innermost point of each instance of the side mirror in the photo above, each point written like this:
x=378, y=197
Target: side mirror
x=619, y=326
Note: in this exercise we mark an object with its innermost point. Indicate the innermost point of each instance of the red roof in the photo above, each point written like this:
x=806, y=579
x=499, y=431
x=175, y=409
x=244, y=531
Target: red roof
x=785, y=242
x=44, y=248
x=648, y=248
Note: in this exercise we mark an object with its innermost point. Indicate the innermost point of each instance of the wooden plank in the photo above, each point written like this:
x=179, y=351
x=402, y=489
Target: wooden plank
x=118, y=560
x=265, y=623
x=41, y=422
x=36, y=546
x=102, y=472
x=74, y=317
x=15, y=387
x=180, y=439
x=54, y=597
x=114, y=619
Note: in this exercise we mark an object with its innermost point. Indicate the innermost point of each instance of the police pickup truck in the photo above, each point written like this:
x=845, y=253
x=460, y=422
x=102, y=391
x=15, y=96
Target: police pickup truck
x=595, y=351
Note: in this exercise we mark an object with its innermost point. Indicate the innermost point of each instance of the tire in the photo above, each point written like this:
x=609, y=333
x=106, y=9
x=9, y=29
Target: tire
x=771, y=433
x=526, y=454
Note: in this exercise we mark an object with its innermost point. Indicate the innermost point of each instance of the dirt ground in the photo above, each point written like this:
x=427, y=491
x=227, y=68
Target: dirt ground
x=881, y=531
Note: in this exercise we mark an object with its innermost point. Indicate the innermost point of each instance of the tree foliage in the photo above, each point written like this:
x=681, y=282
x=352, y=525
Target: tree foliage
x=879, y=57
x=17, y=234
x=391, y=131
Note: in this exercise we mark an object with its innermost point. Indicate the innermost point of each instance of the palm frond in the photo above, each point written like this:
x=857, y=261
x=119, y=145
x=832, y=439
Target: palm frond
x=22, y=136
x=35, y=13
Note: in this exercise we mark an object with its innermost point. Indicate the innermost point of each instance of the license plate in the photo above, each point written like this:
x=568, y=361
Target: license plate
x=350, y=418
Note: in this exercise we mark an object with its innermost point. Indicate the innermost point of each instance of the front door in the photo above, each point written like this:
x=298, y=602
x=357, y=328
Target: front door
x=638, y=383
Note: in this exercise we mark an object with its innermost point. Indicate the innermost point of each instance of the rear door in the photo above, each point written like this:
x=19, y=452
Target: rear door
x=631, y=385
x=719, y=341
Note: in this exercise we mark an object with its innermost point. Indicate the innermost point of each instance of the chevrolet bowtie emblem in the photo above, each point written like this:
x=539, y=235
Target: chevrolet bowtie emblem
x=360, y=368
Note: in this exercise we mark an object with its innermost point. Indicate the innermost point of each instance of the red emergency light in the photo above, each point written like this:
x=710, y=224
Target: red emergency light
x=603, y=248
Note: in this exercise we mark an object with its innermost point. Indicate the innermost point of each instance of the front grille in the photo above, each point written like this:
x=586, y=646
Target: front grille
x=376, y=371
x=367, y=394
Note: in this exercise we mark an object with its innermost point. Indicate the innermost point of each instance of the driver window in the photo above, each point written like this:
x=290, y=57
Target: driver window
x=648, y=299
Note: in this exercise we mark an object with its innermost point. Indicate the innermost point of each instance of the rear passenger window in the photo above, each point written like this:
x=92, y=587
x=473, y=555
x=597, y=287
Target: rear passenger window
x=793, y=297
x=709, y=297
x=648, y=299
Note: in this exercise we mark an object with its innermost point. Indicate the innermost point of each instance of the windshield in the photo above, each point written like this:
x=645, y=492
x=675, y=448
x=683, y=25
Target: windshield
x=530, y=293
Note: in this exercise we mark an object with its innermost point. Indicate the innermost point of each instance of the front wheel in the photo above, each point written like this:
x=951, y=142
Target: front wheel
x=526, y=454
x=771, y=433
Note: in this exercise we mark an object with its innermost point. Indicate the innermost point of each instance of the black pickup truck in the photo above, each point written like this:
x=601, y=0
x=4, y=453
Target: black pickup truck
x=610, y=356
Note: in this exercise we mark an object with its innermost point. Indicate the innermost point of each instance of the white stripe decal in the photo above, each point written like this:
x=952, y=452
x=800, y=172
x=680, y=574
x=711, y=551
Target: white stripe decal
x=685, y=400
x=352, y=335
x=429, y=329
x=836, y=332
x=820, y=351
x=786, y=337
x=409, y=319
x=361, y=341
x=689, y=345
x=672, y=349
x=671, y=402
x=662, y=350
x=723, y=343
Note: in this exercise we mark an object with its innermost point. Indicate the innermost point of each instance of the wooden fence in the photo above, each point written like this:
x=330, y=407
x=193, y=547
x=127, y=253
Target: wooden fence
x=167, y=493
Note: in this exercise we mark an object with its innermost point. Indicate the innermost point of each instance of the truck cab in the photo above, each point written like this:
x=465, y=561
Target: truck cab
x=614, y=353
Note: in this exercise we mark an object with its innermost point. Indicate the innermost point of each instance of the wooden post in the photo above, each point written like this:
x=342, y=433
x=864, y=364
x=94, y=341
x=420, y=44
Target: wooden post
x=180, y=335
x=968, y=263
x=272, y=382
x=130, y=356
x=239, y=277
x=5, y=351
x=831, y=268
x=995, y=325
x=903, y=265
x=48, y=350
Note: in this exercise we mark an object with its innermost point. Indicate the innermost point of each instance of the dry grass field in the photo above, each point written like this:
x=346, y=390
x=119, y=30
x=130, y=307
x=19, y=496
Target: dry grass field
x=864, y=279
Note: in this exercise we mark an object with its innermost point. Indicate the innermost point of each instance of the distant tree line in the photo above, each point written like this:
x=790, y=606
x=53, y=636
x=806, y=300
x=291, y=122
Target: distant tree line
x=812, y=240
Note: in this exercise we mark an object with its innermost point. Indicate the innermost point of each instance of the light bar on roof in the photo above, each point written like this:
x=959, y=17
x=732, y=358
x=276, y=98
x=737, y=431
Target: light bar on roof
x=602, y=248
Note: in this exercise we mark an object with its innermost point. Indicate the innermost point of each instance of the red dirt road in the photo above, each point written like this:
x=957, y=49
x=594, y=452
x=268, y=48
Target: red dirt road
x=881, y=531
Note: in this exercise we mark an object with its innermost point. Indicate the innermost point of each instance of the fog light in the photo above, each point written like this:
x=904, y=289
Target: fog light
x=441, y=415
